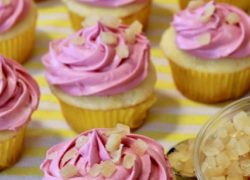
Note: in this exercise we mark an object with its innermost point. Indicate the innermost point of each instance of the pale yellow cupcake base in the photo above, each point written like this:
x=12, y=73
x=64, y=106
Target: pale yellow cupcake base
x=210, y=87
x=11, y=149
x=243, y=4
x=17, y=44
x=83, y=119
x=142, y=16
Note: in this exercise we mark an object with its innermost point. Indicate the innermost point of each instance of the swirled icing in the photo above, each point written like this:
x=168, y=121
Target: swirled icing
x=226, y=40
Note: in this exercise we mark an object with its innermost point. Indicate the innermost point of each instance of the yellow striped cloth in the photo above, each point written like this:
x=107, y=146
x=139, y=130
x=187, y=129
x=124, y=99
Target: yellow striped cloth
x=172, y=119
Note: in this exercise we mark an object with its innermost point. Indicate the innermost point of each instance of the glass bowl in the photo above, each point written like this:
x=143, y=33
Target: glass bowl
x=210, y=128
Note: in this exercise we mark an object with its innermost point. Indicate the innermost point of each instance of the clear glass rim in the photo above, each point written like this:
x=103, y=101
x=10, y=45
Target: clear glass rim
x=201, y=134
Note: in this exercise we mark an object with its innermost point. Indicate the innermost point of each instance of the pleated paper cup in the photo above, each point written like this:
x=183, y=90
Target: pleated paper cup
x=11, y=148
x=81, y=119
x=210, y=87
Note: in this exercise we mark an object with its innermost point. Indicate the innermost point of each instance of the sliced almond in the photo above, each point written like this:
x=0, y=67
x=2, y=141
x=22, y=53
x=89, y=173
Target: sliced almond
x=116, y=155
x=119, y=129
x=108, y=38
x=124, y=128
x=68, y=171
x=95, y=170
x=79, y=40
x=108, y=169
x=129, y=161
x=122, y=51
x=113, y=142
x=111, y=21
x=208, y=13
x=90, y=21
x=204, y=39
x=81, y=141
x=134, y=29
x=232, y=18
x=195, y=4
x=139, y=147
x=51, y=156
x=5, y=2
x=69, y=155
x=129, y=36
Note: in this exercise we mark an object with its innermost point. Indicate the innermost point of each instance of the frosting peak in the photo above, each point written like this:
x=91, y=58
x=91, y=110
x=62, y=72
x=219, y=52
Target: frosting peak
x=97, y=60
x=111, y=3
x=19, y=95
x=213, y=31
x=93, y=153
x=11, y=12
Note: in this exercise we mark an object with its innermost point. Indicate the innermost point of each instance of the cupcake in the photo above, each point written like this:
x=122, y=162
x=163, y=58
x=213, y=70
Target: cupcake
x=208, y=48
x=103, y=74
x=127, y=10
x=107, y=154
x=17, y=28
x=243, y=4
x=19, y=96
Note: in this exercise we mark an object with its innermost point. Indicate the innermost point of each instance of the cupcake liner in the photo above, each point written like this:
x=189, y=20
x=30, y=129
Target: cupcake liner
x=83, y=119
x=210, y=87
x=19, y=47
x=142, y=16
x=243, y=4
x=10, y=149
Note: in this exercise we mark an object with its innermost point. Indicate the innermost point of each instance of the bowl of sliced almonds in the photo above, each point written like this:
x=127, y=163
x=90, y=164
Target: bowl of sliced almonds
x=222, y=147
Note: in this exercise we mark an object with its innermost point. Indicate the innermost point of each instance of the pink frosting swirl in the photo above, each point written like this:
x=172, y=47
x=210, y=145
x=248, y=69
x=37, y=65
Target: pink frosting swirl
x=153, y=164
x=12, y=12
x=19, y=95
x=112, y=3
x=94, y=68
x=227, y=40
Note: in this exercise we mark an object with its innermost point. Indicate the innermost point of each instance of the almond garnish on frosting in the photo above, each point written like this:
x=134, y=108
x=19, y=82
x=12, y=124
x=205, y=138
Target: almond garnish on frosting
x=204, y=39
x=5, y=2
x=113, y=142
x=194, y=4
x=108, y=38
x=232, y=18
x=82, y=140
x=95, y=170
x=108, y=168
x=51, y=156
x=68, y=171
x=116, y=155
x=90, y=21
x=134, y=29
x=111, y=21
x=119, y=129
x=129, y=161
x=208, y=13
x=139, y=147
x=78, y=40
x=122, y=51
x=69, y=155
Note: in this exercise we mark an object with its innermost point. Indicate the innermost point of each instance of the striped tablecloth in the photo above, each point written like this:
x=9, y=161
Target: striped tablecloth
x=172, y=119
